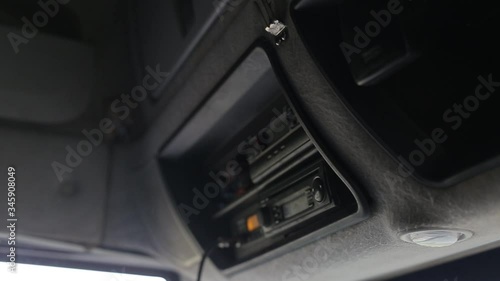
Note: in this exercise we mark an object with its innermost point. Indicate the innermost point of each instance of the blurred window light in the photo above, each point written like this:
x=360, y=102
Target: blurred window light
x=25, y=272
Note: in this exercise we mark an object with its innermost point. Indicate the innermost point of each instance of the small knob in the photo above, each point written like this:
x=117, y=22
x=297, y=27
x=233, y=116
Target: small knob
x=319, y=190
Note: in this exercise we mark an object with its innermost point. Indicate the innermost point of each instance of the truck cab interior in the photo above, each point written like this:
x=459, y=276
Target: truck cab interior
x=243, y=140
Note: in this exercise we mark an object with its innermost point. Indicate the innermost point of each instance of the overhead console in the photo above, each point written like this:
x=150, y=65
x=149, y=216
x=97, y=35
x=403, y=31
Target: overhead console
x=421, y=76
x=245, y=170
x=169, y=30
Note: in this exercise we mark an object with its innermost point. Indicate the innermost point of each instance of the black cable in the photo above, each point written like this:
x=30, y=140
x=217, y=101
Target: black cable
x=222, y=244
x=206, y=254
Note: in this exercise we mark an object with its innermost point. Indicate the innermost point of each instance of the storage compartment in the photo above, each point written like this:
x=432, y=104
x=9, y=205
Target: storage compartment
x=245, y=171
x=421, y=76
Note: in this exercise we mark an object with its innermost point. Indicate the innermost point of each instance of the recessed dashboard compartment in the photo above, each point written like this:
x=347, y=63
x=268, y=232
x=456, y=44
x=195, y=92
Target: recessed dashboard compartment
x=421, y=76
x=244, y=169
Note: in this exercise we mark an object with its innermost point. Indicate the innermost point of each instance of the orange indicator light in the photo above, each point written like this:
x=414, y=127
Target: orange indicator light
x=253, y=223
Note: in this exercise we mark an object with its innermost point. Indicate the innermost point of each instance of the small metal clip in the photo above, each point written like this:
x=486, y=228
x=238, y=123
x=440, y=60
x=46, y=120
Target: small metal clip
x=278, y=30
